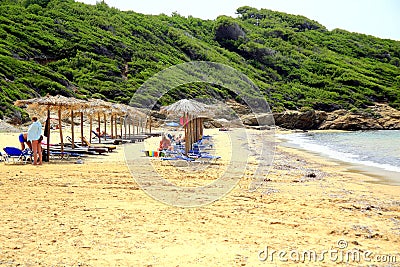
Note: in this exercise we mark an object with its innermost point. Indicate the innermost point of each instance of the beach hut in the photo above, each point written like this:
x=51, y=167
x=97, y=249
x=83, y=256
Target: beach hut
x=192, y=119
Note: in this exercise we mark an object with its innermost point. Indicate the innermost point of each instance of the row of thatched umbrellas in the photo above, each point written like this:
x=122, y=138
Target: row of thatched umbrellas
x=92, y=108
x=189, y=110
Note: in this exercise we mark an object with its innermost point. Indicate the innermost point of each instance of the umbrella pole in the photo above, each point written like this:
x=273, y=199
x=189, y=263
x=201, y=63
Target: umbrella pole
x=105, y=126
x=196, y=129
x=61, y=134
x=191, y=132
x=112, y=127
x=185, y=123
x=120, y=125
x=116, y=129
x=125, y=126
x=133, y=125
x=150, y=123
x=98, y=122
x=201, y=128
x=81, y=128
x=129, y=129
x=72, y=129
x=90, y=128
x=199, y=135
x=48, y=134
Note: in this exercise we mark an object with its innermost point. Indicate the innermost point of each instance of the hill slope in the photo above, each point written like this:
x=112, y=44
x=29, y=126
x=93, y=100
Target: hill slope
x=69, y=48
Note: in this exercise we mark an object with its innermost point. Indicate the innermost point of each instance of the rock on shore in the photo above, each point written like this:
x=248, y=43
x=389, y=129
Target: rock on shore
x=375, y=118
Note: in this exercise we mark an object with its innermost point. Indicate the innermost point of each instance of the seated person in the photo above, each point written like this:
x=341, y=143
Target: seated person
x=23, y=138
x=180, y=139
x=100, y=134
x=165, y=144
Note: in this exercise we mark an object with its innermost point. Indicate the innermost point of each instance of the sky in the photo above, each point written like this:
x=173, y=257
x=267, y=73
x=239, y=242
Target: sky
x=380, y=18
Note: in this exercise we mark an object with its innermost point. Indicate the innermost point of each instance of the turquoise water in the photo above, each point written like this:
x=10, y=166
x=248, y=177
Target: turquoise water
x=377, y=149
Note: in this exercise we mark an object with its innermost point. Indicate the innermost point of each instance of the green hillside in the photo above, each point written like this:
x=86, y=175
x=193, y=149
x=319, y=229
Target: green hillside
x=69, y=48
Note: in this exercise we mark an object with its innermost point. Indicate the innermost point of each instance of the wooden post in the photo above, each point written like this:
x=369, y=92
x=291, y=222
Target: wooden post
x=186, y=127
x=82, y=128
x=61, y=134
x=129, y=128
x=112, y=126
x=72, y=129
x=98, y=120
x=196, y=133
x=105, y=126
x=120, y=125
x=191, y=132
x=90, y=128
x=150, y=122
x=201, y=128
x=116, y=129
x=125, y=126
x=48, y=134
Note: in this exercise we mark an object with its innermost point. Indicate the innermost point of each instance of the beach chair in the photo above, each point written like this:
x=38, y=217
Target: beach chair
x=64, y=155
x=98, y=150
x=88, y=144
x=17, y=155
x=110, y=141
x=202, y=155
x=175, y=159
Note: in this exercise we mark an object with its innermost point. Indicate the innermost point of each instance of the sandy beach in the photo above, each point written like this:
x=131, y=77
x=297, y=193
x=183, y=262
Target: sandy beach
x=95, y=214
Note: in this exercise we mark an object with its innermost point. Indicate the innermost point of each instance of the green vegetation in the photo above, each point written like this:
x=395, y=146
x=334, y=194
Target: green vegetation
x=69, y=48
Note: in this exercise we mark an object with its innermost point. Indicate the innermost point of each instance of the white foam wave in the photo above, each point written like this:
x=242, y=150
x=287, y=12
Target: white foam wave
x=304, y=142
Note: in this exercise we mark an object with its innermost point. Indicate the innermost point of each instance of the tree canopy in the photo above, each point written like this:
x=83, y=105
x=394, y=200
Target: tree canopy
x=95, y=51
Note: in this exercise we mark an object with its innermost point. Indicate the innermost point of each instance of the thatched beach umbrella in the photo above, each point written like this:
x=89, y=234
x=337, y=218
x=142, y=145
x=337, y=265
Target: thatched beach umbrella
x=132, y=115
x=126, y=114
x=98, y=107
x=193, y=124
x=53, y=103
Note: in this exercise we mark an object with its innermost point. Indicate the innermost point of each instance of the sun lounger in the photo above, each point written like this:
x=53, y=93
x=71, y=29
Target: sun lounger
x=17, y=155
x=64, y=155
x=99, y=150
x=201, y=155
x=138, y=138
x=110, y=148
x=110, y=141
x=55, y=148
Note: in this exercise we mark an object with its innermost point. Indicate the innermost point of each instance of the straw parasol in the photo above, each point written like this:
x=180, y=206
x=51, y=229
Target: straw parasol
x=103, y=108
x=185, y=106
x=98, y=107
x=49, y=103
x=191, y=111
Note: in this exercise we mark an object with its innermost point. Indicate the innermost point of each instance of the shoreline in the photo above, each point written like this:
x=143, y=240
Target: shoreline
x=373, y=174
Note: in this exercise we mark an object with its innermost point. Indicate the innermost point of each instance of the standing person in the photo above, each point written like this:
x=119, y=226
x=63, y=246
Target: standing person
x=23, y=138
x=34, y=135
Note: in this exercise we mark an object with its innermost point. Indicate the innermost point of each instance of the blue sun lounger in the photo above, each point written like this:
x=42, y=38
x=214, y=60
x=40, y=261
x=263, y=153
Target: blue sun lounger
x=16, y=154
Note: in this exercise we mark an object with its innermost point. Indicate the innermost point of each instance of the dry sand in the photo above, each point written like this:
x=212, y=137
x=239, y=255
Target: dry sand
x=94, y=214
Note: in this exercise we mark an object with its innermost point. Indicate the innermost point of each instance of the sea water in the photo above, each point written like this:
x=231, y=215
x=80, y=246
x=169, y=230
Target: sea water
x=374, y=149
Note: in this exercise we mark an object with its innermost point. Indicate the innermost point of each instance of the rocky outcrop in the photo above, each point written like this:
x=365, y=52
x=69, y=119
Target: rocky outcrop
x=376, y=118
x=379, y=117
x=344, y=120
x=300, y=120
x=258, y=119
